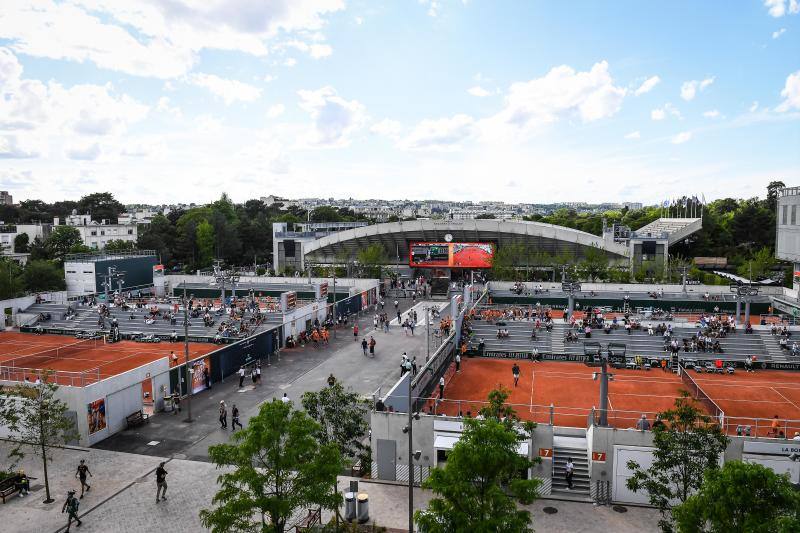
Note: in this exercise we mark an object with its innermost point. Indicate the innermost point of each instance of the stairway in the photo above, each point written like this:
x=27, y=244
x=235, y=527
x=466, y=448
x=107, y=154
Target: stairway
x=557, y=341
x=575, y=448
x=773, y=348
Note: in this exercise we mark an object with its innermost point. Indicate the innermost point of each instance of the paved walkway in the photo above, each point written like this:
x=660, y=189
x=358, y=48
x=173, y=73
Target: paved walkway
x=122, y=499
x=296, y=371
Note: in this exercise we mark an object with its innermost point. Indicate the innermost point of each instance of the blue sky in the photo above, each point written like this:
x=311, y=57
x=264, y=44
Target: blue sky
x=526, y=101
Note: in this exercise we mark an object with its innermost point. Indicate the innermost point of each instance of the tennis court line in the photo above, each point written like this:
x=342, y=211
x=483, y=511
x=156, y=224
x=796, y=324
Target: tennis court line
x=533, y=377
x=785, y=398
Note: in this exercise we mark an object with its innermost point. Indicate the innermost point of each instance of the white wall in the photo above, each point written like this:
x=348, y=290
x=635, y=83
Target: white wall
x=23, y=302
x=80, y=277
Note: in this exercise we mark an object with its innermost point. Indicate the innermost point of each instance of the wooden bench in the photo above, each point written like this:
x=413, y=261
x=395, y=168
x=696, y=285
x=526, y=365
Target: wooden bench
x=136, y=419
x=9, y=486
x=313, y=517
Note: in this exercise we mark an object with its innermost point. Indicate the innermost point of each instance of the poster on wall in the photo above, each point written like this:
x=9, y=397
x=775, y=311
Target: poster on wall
x=96, y=415
x=198, y=374
x=364, y=300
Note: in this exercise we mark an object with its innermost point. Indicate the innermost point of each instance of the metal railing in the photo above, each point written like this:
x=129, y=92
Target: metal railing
x=60, y=377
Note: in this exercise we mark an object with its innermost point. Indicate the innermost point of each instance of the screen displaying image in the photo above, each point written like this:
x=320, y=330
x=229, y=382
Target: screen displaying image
x=451, y=254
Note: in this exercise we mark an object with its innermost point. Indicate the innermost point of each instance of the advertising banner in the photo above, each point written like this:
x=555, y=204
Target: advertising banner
x=96, y=415
x=198, y=376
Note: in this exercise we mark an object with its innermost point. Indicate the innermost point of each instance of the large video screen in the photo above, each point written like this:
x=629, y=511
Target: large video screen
x=451, y=254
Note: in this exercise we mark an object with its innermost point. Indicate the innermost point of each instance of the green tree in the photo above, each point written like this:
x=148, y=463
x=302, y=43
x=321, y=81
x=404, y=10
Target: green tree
x=274, y=467
x=119, y=245
x=63, y=240
x=480, y=486
x=741, y=498
x=21, y=243
x=43, y=276
x=759, y=266
x=11, y=283
x=205, y=243
x=101, y=206
x=687, y=445
x=39, y=250
x=36, y=418
x=594, y=264
x=373, y=257
x=341, y=416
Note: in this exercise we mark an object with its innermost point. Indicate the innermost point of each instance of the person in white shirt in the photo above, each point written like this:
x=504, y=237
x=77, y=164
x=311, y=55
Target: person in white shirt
x=441, y=387
x=241, y=377
x=796, y=436
x=285, y=398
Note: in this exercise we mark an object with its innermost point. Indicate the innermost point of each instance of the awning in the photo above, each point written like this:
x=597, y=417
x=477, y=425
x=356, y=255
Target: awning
x=446, y=442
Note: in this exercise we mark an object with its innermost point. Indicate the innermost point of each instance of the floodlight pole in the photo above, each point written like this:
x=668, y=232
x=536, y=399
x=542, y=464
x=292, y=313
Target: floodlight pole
x=410, y=455
x=186, y=356
x=427, y=333
x=334, y=301
x=603, y=389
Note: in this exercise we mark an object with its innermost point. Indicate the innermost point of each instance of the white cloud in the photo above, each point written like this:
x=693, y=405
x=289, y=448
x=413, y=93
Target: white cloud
x=478, y=91
x=290, y=62
x=315, y=50
x=441, y=135
x=777, y=8
x=14, y=147
x=778, y=33
x=275, y=111
x=689, y=89
x=433, y=7
x=711, y=114
x=790, y=93
x=661, y=113
x=164, y=106
x=359, y=20
x=88, y=152
x=561, y=92
x=753, y=107
x=682, y=137
x=633, y=135
x=155, y=39
x=387, y=128
x=229, y=90
x=335, y=119
x=647, y=85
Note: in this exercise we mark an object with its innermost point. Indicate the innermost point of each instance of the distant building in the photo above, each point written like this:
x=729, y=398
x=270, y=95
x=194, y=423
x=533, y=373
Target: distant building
x=9, y=232
x=143, y=216
x=5, y=198
x=787, y=224
x=632, y=206
x=97, y=234
x=87, y=273
x=288, y=243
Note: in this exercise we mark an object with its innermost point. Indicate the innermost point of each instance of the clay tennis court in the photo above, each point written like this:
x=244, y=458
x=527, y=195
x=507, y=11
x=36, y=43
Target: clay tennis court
x=23, y=354
x=743, y=397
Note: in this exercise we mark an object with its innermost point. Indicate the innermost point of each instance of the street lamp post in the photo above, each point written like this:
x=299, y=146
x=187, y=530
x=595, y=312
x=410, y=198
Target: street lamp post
x=428, y=333
x=186, y=356
x=334, y=301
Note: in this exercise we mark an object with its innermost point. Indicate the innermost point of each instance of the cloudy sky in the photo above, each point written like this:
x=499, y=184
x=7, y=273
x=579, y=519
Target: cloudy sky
x=180, y=100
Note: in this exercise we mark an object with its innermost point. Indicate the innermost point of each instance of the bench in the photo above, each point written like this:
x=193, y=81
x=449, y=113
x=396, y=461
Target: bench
x=9, y=486
x=136, y=419
x=313, y=517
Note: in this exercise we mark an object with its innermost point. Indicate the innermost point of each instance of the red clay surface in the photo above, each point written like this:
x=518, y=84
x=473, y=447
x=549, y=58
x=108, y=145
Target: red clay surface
x=744, y=397
x=78, y=369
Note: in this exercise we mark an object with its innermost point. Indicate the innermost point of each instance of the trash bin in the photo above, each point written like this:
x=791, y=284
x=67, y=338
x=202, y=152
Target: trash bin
x=363, y=508
x=349, y=506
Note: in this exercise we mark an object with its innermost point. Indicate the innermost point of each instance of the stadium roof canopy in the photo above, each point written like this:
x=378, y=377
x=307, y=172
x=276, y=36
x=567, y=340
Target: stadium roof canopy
x=397, y=236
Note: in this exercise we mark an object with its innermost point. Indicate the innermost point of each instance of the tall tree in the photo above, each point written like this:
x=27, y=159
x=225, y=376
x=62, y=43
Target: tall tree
x=687, y=445
x=43, y=276
x=205, y=243
x=36, y=418
x=373, y=257
x=63, y=240
x=101, y=206
x=341, y=415
x=274, y=467
x=21, y=243
x=741, y=498
x=480, y=486
x=11, y=282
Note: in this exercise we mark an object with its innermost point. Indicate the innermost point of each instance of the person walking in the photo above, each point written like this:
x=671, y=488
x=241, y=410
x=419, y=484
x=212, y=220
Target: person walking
x=364, y=346
x=458, y=362
x=83, y=470
x=441, y=388
x=71, y=508
x=207, y=377
x=161, y=482
x=372, y=346
x=285, y=398
x=355, y=332
x=331, y=380
x=258, y=373
x=223, y=415
x=241, y=377
x=414, y=366
x=515, y=373
x=235, y=418
x=569, y=470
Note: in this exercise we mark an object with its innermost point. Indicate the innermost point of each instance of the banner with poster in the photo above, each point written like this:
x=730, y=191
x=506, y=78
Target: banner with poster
x=96, y=415
x=198, y=376
x=364, y=302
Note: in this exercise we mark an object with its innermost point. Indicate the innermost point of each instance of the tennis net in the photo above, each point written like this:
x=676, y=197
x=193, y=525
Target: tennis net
x=697, y=392
x=37, y=360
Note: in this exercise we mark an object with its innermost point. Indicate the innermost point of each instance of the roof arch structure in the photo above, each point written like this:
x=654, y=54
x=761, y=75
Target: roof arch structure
x=397, y=236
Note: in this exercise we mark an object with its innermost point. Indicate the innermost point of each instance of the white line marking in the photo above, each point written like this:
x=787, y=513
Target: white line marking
x=785, y=398
x=533, y=376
